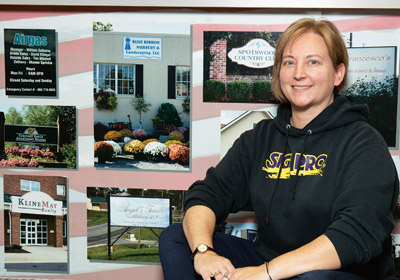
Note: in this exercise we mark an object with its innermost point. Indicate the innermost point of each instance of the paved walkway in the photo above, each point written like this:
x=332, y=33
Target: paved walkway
x=39, y=258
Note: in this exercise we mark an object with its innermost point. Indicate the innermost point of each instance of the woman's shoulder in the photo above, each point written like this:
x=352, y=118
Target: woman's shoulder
x=361, y=132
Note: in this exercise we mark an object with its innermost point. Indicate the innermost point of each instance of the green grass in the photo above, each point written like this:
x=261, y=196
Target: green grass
x=96, y=217
x=101, y=217
x=146, y=233
x=125, y=252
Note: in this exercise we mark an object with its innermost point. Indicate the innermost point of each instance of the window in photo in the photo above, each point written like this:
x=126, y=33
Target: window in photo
x=119, y=79
x=27, y=185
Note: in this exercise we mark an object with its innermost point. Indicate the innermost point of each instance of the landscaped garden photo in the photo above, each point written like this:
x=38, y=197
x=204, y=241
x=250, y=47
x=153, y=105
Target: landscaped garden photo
x=166, y=146
x=38, y=136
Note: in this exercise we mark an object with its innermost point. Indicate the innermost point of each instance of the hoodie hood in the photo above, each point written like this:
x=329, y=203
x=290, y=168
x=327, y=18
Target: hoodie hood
x=341, y=112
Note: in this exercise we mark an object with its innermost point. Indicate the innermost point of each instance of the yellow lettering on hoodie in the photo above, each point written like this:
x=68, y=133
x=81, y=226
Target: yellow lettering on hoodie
x=308, y=164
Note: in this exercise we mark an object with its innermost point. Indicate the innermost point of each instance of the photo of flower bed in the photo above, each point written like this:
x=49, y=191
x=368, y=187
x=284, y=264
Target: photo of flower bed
x=136, y=149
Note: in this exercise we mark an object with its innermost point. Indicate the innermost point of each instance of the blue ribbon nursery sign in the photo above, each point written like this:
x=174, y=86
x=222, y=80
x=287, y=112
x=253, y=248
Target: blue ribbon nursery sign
x=142, y=48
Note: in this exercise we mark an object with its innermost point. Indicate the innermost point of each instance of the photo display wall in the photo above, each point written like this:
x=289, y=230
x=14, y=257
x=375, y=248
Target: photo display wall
x=109, y=117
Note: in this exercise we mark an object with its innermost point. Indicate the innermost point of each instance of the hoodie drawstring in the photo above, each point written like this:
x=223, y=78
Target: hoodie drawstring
x=267, y=218
x=309, y=132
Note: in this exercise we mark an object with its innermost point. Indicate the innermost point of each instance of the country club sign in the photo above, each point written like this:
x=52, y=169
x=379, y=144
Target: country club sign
x=255, y=54
x=36, y=203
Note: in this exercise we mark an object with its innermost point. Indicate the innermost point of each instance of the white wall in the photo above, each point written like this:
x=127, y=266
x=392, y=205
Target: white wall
x=107, y=48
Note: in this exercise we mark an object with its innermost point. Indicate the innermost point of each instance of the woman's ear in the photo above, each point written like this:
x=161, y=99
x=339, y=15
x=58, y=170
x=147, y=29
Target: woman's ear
x=340, y=71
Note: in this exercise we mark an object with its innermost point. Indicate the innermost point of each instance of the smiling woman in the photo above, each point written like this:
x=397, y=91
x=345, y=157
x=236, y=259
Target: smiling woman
x=310, y=170
x=310, y=68
x=307, y=78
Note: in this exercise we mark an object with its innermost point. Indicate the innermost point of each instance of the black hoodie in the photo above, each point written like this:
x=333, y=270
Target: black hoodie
x=345, y=186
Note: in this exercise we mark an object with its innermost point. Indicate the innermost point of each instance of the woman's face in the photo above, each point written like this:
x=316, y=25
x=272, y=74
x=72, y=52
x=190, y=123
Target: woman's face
x=307, y=75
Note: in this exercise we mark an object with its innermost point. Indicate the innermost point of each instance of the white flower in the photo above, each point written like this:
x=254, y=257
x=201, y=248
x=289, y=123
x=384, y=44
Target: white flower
x=156, y=150
x=117, y=148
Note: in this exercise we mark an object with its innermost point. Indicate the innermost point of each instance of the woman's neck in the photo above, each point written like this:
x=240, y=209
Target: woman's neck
x=302, y=116
x=300, y=121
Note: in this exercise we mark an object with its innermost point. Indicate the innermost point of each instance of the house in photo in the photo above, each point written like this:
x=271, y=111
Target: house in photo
x=97, y=203
x=35, y=210
x=130, y=65
x=232, y=130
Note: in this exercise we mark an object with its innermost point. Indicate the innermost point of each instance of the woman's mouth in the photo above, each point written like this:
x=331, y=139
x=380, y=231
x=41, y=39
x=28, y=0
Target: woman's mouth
x=301, y=87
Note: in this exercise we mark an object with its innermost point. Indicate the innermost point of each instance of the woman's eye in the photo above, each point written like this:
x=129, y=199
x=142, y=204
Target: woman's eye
x=313, y=62
x=288, y=63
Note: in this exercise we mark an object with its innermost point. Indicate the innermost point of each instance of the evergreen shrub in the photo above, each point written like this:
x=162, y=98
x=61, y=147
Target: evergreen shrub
x=238, y=91
x=169, y=114
x=213, y=90
x=262, y=90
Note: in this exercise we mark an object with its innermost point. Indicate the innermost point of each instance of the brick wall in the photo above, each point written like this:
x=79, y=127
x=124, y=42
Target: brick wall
x=48, y=185
x=15, y=228
x=59, y=231
x=103, y=206
x=218, y=66
x=6, y=227
x=55, y=231
x=12, y=184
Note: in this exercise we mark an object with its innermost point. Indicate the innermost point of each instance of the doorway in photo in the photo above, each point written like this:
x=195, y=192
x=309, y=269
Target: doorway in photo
x=35, y=223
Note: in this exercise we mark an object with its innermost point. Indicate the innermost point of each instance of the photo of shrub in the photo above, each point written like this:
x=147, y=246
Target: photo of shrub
x=238, y=66
x=38, y=136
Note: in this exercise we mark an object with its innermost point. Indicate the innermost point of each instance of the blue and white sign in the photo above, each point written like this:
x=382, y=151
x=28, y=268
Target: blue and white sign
x=142, y=48
x=140, y=211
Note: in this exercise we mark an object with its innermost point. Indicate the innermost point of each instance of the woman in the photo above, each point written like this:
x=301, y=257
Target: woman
x=320, y=180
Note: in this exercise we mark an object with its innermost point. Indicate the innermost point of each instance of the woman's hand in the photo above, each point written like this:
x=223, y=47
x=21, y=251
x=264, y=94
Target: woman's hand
x=210, y=265
x=249, y=273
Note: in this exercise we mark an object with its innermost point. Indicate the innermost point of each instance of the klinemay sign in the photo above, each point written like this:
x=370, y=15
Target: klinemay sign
x=38, y=203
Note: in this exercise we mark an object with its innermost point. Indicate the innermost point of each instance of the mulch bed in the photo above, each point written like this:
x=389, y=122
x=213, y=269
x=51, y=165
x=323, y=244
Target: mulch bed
x=15, y=250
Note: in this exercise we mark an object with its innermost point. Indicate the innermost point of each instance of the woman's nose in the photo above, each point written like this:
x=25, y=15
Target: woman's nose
x=299, y=72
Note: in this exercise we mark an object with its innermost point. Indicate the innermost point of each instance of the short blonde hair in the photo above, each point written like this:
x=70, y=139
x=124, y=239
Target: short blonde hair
x=333, y=39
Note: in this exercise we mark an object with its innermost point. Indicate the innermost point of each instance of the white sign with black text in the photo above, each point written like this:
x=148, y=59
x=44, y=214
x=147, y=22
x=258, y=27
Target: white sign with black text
x=140, y=211
x=371, y=62
x=38, y=203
